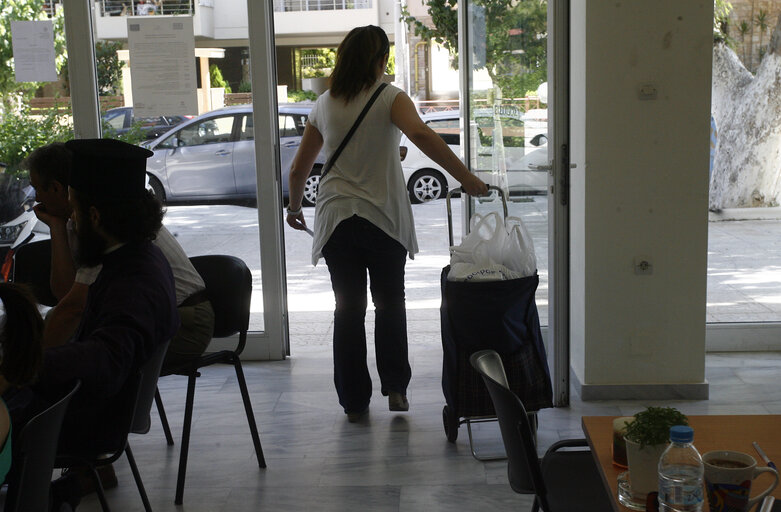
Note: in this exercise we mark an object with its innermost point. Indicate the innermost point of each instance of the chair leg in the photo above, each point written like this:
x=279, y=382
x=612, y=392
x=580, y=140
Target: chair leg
x=137, y=478
x=253, y=428
x=99, y=489
x=169, y=439
x=188, y=418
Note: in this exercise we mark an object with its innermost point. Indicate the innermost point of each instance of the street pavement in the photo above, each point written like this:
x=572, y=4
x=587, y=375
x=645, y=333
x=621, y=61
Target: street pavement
x=744, y=264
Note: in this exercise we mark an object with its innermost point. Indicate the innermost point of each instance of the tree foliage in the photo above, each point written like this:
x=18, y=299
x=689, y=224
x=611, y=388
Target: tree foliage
x=22, y=132
x=216, y=78
x=510, y=39
x=23, y=10
x=108, y=68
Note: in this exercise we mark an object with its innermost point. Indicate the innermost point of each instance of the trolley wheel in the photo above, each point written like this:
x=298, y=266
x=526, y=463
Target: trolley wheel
x=450, y=421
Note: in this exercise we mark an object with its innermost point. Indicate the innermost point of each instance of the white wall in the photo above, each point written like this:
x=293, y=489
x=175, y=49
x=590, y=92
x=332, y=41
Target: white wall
x=639, y=191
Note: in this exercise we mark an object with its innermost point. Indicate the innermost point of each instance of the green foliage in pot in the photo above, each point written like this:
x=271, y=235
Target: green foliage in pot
x=652, y=426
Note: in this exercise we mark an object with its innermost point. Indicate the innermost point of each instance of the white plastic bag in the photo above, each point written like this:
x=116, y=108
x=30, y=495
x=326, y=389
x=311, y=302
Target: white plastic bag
x=494, y=250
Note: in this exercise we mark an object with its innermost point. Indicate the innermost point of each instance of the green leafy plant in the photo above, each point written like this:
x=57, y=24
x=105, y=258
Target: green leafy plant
x=652, y=426
x=22, y=132
x=134, y=135
x=296, y=96
x=245, y=86
x=216, y=78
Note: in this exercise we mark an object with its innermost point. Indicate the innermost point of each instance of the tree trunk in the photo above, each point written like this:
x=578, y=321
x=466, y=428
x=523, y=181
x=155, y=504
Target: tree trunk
x=747, y=111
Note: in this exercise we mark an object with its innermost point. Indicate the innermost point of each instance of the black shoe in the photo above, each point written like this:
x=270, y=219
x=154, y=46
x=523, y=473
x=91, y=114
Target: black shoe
x=354, y=417
x=397, y=402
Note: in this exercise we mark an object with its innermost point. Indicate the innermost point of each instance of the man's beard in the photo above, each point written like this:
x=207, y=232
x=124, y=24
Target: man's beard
x=91, y=245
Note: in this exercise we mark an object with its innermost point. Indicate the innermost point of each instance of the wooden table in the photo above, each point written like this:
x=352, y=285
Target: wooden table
x=710, y=433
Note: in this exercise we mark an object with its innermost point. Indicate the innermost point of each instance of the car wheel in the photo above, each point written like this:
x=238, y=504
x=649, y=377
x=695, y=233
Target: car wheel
x=310, y=188
x=157, y=189
x=426, y=185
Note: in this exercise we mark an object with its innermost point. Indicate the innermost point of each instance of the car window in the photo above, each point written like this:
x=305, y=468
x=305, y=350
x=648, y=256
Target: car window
x=447, y=129
x=148, y=121
x=116, y=120
x=287, y=126
x=246, y=130
x=209, y=131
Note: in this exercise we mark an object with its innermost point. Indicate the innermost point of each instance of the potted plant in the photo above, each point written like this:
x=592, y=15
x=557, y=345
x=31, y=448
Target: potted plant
x=647, y=435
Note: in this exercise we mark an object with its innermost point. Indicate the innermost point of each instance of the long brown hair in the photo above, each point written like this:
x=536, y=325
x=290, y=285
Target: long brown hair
x=20, y=337
x=357, y=59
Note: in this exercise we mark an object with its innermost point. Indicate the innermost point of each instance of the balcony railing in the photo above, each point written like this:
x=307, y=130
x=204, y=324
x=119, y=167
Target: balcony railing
x=136, y=7
x=320, y=5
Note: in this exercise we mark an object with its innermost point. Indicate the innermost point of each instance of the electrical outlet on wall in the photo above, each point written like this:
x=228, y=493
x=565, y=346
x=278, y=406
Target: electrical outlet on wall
x=647, y=92
x=643, y=266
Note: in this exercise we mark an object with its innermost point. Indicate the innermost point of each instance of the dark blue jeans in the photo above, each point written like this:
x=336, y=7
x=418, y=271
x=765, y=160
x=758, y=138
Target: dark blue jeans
x=355, y=246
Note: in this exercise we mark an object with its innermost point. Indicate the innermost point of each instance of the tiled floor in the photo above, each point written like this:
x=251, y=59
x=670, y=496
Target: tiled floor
x=318, y=461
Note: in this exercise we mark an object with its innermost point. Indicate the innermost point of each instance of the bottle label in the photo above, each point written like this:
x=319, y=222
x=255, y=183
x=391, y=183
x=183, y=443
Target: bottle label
x=686, y=495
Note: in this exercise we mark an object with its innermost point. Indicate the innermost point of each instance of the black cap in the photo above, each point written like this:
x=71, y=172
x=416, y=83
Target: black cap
x=108, y=168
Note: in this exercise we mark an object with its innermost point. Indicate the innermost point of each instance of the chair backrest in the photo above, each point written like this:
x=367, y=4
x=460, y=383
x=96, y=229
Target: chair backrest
x=523, y=465
x=229, y=288
x=37, y=448
x=147, y=386
x=32, y=266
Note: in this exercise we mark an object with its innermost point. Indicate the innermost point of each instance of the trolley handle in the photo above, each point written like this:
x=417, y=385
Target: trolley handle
x=461, y=191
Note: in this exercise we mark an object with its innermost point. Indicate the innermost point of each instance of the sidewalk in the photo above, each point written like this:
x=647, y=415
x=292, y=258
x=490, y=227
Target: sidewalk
x=744, y=264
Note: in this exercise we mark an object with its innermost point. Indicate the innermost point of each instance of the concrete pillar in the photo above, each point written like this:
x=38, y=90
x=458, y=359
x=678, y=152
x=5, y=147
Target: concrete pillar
x=206, y=96
x=640, y=114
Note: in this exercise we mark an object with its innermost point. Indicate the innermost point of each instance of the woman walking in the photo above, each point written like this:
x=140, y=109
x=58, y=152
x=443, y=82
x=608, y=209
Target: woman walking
x=363, y=215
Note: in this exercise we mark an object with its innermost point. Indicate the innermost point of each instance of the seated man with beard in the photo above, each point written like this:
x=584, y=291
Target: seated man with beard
x=50, y=167
x=131, y=306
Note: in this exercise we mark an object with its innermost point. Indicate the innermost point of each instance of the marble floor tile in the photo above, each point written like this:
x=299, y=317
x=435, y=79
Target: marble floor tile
x=317, y=460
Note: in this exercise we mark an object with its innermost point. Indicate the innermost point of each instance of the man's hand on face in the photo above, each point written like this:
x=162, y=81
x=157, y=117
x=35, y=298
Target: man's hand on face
x=47, y=218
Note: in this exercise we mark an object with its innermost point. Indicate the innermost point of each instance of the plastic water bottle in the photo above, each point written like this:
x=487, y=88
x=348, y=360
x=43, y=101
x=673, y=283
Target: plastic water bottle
x=680, y=473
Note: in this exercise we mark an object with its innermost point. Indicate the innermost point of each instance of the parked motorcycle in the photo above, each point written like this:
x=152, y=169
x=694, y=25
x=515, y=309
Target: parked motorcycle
x=18, y=222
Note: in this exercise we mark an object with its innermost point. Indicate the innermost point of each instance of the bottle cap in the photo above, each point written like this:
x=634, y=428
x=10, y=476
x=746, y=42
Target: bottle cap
x=681, y=434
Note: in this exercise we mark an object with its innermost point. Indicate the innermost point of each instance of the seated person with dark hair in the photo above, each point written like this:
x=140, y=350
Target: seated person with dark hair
x=49, y=168
x=131, y=306
x=21, y=328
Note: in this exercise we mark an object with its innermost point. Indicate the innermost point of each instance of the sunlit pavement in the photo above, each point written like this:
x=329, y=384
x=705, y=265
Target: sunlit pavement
x=744, y=264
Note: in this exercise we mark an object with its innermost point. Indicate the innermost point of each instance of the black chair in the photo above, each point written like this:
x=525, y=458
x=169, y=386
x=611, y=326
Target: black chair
x=564, y=480
x=36, y=450
x=32, y=266
x=135, y=402
x=229, y=288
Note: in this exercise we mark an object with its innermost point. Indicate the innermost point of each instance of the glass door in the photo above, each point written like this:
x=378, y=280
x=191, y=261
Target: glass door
x=505, y=54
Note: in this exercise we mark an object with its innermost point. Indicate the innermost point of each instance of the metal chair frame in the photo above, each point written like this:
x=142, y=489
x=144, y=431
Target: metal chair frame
x=229, y=288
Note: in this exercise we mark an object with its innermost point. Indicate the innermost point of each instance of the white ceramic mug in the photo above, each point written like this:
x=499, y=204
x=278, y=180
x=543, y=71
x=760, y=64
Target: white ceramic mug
x=728, y=478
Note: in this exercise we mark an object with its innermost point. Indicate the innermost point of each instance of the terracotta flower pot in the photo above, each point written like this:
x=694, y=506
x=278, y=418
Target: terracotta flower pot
x=643, y=466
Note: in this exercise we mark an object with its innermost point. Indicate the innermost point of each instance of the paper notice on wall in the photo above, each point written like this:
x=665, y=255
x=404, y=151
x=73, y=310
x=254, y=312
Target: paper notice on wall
x=162, y=65
x=33, y=46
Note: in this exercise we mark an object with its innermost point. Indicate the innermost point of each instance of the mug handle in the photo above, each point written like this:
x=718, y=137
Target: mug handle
x=763, y=469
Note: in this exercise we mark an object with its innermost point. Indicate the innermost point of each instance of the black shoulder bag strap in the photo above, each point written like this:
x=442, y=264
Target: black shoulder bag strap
x=346, y=139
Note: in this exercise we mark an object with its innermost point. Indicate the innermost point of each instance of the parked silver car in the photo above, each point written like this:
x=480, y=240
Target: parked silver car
x=525, y=149
x=212, y=157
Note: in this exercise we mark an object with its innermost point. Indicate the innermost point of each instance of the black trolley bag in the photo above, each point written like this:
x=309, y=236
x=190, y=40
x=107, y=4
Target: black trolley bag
x=498, y=315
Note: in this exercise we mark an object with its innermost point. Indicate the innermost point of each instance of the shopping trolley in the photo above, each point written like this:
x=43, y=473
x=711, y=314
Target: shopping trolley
x=498, y=315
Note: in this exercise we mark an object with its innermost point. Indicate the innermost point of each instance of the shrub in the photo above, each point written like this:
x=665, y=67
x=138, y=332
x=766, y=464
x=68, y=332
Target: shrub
x=296, y=96
x=21, y=133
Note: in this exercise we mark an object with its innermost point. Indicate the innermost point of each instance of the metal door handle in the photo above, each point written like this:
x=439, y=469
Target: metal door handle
x=535, y=167
x=222, y=152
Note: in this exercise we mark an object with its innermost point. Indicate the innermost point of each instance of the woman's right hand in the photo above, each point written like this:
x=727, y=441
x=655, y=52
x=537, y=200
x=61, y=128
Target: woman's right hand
x=297, y=221
x=474, y=186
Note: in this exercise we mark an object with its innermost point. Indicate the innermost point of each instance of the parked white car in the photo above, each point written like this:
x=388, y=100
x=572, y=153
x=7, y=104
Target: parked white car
x=525, y=147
